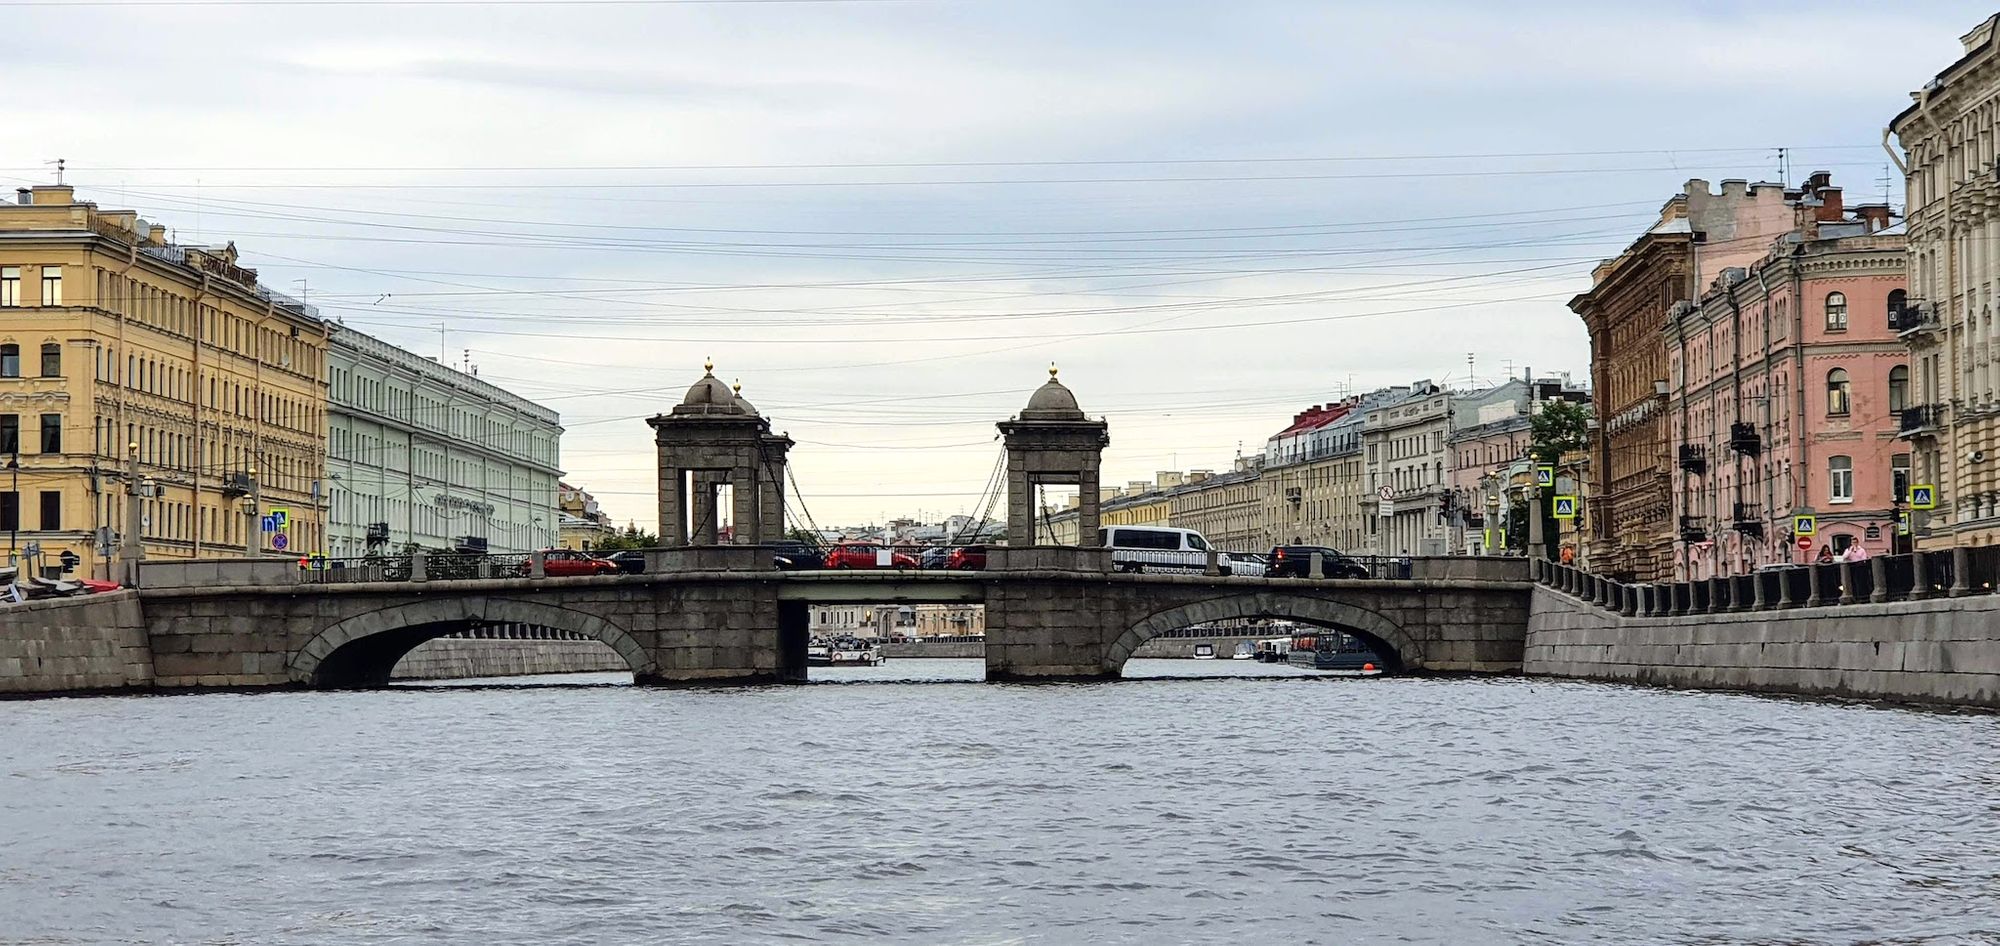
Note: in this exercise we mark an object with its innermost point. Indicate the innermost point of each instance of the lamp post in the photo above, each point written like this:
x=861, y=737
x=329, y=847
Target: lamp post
x=14, y=534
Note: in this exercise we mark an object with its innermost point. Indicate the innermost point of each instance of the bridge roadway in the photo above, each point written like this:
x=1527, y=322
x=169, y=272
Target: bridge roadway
x=722, y=615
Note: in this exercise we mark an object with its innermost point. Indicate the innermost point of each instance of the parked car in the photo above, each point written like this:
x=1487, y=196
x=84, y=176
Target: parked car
x=793, y=556
x=1158, y=549
x=569, y=563
x=1295, y=561
x=629, y=562
x=971, y=558
x=864, y=555
x=934, y=557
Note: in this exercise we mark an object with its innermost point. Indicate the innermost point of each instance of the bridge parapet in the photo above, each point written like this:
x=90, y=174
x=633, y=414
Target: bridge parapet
x=216, y=573
x=708, y=558
x=1048, y=558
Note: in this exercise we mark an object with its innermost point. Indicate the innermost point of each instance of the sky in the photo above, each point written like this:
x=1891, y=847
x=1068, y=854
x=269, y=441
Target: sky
x=887, y=218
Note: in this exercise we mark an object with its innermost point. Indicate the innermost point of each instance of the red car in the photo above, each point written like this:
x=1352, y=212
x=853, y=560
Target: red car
x=569, y=563
x=971, y=558
x=863, y=555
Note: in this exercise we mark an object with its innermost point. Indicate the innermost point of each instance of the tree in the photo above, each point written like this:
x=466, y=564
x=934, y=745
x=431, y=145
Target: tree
x=632, y=538
x=798, y=534
x=1560, y=427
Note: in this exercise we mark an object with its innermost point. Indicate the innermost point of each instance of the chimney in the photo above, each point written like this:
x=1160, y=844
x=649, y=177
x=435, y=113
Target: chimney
x=1876, y=216
x=54, y=194
x=1830, y=209
x=1735, y=189
x=156, y=235
x=23, y=196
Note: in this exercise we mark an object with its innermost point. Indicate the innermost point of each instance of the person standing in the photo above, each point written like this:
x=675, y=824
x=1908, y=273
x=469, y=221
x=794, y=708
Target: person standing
x=1825, y=555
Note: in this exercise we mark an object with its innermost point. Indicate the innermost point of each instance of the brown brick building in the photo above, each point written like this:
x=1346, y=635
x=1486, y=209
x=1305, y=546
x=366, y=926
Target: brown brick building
x=1629, y=499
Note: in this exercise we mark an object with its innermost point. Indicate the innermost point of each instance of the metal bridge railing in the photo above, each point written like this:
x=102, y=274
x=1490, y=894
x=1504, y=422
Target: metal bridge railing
x=1934, y=574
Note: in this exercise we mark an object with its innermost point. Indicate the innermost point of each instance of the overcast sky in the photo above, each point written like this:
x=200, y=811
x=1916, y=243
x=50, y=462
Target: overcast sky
x=887, y=218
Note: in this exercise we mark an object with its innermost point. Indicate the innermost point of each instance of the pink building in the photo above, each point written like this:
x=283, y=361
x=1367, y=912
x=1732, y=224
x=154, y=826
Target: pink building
x=1785, y=390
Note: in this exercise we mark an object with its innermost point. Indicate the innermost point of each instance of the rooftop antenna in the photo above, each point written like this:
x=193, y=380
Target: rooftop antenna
x=1470, y=378
x=1785, y=166
x=60, y=164
x=1885, y=184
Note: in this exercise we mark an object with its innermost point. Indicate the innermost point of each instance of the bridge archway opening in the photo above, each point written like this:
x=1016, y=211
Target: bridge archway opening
x=507, y=637
x=894, y=642
x=1342, y=637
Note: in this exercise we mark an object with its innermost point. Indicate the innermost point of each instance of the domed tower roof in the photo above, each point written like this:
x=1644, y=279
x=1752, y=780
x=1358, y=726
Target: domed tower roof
x=710, y=396
x=1052, y=401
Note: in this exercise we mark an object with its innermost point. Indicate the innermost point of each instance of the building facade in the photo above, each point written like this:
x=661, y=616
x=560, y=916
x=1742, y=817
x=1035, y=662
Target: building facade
x=1311, y=483
x=138, y=375
x=425, y=454
x=1404, y=441
x=1226, y=508
x=1787, y=384
x=1953, y=192
x=1489, y=447
x=581, y=522
x=1632, y=529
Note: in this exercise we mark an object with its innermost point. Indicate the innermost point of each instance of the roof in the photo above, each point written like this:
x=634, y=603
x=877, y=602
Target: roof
x=1313, y=418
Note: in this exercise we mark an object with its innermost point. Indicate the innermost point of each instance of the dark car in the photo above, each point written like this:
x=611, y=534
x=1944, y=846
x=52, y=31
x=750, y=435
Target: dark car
x=971, y=558
x=863, y=555
x=1295, y=561
x=794, y=556
x=934, y=557
x=629, y=561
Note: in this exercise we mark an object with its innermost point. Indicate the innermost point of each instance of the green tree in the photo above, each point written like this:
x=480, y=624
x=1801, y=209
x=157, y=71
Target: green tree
x=1560, y=427
x=798, y=534
x=632, y=538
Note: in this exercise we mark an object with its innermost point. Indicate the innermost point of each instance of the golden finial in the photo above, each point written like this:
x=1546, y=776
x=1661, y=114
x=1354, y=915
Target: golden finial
x=1052, y=371
x=736, y=387
x=708, y=365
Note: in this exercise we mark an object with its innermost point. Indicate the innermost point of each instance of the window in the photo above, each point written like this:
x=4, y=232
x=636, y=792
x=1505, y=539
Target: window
x=51, y=433
x=1899, y=387
x=10, y=512
x=10, y=434
x=10, y=286
x=1899, y=476
x=1836, y=312
x=51, y=360
x=1840, y=483
x=10, y=361
x=51, y=510
x=1837, y=402
x=1898, y=299
x=52, y=285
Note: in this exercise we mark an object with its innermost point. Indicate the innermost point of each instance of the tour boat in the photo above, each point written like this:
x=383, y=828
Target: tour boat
x=1330, y=650
x=1244, y=651
x=1204, y=651
x=843, y=652
x=1272, y=650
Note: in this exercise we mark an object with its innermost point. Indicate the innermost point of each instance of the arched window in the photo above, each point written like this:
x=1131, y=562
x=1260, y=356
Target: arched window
x=1836, y=312
x=1837, y=399
x=1840, y=479
x=1899, y=387
x=1898, y=299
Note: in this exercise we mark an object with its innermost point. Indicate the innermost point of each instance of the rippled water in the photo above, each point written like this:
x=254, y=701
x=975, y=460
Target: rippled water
x=1164, y=811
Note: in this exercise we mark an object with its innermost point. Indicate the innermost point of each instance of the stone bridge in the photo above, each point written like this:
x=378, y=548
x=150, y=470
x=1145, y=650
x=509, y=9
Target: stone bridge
x=722, y=615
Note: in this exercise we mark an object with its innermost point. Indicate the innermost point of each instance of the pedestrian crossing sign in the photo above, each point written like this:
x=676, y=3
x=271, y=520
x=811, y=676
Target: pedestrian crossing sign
x=1805, y=525
x=1903, y=523
x=1923, y=496
x=1565, y=507
x=1545, y=476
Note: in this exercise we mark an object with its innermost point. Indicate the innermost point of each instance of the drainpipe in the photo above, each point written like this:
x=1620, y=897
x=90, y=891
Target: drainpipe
x=118, y=390
x=1944, y=455
x=195, y=399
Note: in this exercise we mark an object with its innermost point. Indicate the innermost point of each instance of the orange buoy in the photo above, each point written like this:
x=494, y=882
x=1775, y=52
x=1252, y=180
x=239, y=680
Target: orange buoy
x=1367, y=668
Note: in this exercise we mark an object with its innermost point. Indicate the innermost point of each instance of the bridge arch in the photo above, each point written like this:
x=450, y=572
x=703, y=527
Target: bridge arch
x=1384, y=634
x=363, y=649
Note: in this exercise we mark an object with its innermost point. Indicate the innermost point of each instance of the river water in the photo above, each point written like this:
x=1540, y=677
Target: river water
x=1286, y=810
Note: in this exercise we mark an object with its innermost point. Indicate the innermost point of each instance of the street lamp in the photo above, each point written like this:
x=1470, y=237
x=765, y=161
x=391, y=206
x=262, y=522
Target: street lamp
x=14, y=534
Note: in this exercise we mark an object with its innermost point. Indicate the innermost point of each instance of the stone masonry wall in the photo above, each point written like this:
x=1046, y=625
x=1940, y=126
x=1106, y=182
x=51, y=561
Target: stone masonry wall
x=1941, y=650
x=68, y=644
x=460, y=658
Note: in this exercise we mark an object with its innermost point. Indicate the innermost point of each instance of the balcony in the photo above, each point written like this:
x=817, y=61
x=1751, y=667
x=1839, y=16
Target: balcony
x=1743, y=438
x=1922, y=420
x=1692, y=530
x=235, y=484
x=1914, y=318
x=1694, y=458
x=1748, y=518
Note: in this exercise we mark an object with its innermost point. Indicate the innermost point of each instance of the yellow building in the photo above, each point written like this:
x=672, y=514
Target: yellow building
x=122, y=352
x=582, y=524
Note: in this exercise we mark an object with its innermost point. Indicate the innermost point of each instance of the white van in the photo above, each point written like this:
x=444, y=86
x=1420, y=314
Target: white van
x=1157, y=548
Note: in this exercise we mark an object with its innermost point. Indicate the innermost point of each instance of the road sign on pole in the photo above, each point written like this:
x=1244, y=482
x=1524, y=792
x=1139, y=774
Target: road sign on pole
x=1805, y=525
x=1565, y=507
x=1804, y=543
x=1545, y=476
x=278, y=541
x=1923, y=496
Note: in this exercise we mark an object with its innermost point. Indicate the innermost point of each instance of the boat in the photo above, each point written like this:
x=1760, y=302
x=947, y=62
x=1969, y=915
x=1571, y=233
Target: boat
x=1330, y=650
x=843, y=652
x=1244, y=651
x=1204, y=651
x=1272, y=650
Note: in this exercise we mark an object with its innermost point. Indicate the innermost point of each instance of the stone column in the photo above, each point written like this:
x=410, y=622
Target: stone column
x=1716, y=595
x=1757, y=602
x=673, y=508
x=1920, y=577
x=1813, y=597
x=1878, y=579
x=1961, y=572
x=1628, y=599
x=1020, y=501
x=704, y=507
x=1784, y=589
x=743, y=506
x=1846, y=583
x=1088, y=520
